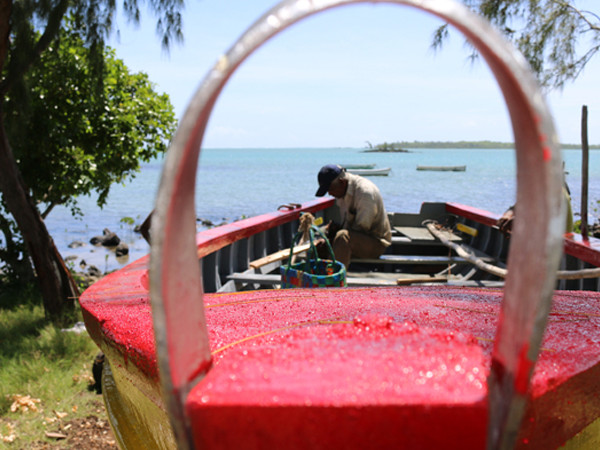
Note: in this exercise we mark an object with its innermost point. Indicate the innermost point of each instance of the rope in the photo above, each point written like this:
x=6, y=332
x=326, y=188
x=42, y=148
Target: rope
x=498, y=271
x=306, y=221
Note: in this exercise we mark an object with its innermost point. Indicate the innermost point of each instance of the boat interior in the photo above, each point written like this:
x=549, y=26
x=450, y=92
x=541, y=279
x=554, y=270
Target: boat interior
x=416, y=256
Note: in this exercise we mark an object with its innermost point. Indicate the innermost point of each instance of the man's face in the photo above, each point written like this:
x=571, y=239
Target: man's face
x=338, y=188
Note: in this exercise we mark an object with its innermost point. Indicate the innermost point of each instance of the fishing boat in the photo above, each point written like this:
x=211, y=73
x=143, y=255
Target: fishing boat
x=418, y=287
x=443, y=168
x=381, y=172
x=358, y=166
x=494, y=343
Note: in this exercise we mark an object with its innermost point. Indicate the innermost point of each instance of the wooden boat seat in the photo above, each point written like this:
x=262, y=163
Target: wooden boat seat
x=423, y=234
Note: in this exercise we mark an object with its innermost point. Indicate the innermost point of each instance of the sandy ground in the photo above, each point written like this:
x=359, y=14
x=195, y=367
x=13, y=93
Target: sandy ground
x=91, y=433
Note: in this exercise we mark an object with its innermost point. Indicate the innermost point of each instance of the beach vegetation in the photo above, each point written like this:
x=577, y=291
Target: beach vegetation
x=75, y=120
x=557, y=38
x=127, y=220
x=45, y=376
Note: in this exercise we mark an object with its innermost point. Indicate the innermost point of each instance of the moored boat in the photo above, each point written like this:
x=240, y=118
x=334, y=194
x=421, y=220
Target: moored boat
x=358, y=166
x=443, y=168
x=382, y=172
x=199, y=359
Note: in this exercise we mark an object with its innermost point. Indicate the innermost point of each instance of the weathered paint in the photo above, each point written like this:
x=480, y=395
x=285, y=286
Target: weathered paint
x=137, y=421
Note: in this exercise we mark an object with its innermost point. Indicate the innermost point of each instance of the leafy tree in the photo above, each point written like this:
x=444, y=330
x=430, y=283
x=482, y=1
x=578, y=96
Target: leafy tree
x=86, y=139
x=549, y=33
x=72, y=120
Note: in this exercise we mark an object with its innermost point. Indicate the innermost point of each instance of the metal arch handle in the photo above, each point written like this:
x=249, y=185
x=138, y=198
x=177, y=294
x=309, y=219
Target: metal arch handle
x=176, y=288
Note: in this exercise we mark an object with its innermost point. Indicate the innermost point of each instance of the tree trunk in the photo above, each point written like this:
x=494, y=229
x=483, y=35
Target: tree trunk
x=57, y=286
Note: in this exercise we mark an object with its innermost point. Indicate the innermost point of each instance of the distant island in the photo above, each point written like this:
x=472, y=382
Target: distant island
x=386, y=150
x=401, y=147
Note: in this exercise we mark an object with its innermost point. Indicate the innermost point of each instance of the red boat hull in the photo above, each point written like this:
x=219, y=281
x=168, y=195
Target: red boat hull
x=361, y=368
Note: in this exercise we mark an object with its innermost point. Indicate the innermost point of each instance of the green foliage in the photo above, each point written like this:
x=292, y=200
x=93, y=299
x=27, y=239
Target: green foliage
x=127, y=220
x=557, y=38
x=74, y=120
x=388, y=147
x=86, y=138
x=93, y=125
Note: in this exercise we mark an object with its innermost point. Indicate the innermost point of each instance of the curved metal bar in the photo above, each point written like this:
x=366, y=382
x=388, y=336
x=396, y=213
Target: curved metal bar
x=176, y=288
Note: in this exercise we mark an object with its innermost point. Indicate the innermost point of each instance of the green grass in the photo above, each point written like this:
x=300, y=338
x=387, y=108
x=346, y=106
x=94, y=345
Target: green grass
x=39, y=360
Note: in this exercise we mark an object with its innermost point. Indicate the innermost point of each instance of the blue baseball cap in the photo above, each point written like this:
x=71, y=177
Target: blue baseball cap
x=327, y=174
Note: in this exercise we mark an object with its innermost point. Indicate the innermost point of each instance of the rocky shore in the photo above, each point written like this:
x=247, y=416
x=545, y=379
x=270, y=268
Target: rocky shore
x=85, y=259
x=84, y=273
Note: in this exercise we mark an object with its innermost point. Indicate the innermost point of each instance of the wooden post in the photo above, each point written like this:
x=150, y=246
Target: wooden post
x=584, y=172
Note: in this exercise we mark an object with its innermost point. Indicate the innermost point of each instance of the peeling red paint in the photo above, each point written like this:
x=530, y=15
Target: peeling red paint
x=524, y=369
x=547, y=153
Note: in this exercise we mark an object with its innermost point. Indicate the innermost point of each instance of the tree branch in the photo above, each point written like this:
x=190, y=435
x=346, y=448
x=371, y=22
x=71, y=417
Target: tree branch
x=47, y=211
x=52, y=28
x=5, y=13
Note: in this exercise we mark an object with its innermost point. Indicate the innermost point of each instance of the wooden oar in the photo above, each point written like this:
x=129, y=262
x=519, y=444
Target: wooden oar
x=278, y=256
x=422, y=279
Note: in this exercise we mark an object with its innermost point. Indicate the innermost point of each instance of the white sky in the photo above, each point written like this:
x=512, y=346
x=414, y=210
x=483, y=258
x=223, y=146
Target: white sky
x=347, y=76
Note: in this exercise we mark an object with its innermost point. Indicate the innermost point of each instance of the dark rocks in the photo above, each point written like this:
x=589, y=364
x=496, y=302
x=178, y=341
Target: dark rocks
x=93, y=271
x=108, y=239
x=207, y=223
x=76, y=244
x=210, y=224
x=122, y=249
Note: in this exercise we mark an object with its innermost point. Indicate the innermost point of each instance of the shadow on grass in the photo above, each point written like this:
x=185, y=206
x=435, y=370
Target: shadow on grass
x=21, y=317
x=30, y=345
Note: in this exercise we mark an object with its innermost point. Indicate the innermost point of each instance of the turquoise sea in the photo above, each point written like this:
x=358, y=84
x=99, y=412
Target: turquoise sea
x=233, y=183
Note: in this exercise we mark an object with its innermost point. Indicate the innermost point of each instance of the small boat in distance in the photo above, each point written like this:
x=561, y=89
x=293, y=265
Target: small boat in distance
x=443, y=168
x=370, y=172
x=358, y=166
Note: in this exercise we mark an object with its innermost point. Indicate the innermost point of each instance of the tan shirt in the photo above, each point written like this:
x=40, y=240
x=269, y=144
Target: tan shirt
x=362, y=209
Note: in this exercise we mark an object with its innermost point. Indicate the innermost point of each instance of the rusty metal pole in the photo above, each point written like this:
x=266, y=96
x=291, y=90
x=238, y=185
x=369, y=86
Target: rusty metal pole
x=585, y=156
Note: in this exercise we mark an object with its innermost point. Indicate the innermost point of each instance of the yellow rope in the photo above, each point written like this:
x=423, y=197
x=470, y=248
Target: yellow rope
x=306, y=221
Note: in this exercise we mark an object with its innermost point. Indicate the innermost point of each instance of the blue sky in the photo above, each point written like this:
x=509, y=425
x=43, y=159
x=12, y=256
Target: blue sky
x=350, y=75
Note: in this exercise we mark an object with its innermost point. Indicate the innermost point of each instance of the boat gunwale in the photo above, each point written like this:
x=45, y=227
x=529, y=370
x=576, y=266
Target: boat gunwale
x=213, y=239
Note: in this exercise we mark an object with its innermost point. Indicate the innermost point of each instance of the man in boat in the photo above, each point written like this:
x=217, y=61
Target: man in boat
x=365, y=230
x=505, y=221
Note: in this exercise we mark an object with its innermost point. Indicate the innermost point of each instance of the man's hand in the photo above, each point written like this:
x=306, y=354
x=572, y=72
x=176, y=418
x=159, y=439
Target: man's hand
x=332, y=229
x=505, y=222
